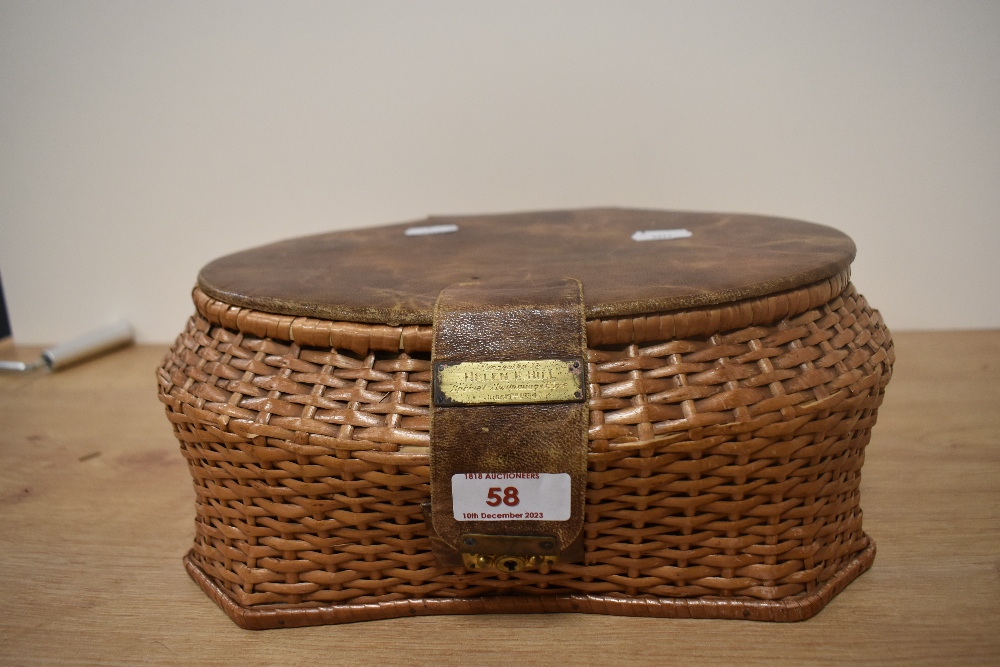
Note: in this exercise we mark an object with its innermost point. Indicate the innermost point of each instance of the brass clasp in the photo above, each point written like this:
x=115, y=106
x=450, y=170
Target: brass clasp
x=505, y=563
x=508, y=553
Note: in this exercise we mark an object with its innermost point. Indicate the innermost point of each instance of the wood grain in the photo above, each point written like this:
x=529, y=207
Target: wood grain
x=97, y=509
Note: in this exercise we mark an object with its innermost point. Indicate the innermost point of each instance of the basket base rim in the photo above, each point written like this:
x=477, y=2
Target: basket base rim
x=797, y=608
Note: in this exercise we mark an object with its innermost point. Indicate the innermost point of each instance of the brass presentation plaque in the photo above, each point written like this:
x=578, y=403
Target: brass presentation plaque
x=507, y=382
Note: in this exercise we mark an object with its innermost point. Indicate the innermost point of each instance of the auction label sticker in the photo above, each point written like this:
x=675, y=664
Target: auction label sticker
x=511, y=496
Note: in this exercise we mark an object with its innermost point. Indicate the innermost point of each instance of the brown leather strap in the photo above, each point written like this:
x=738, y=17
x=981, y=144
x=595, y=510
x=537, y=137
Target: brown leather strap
x=507, y=323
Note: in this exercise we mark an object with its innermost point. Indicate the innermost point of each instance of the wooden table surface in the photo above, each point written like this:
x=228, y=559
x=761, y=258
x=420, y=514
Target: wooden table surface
x=96, y=510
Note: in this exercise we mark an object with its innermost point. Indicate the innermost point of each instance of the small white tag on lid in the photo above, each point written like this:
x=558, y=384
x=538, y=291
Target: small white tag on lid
x=661, y=234
x=507, y=496
x=427, y=230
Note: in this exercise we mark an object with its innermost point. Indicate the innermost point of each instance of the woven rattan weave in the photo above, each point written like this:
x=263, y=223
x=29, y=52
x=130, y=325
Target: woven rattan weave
x=726, y=445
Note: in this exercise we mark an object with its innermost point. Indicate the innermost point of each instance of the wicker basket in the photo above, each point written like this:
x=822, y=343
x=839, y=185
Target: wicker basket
x=725, y=447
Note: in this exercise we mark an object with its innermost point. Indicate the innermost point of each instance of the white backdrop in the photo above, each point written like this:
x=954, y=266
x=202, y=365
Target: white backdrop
x=140, y=140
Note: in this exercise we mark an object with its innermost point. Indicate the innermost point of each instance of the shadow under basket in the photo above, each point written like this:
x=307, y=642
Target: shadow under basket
x=724, y=435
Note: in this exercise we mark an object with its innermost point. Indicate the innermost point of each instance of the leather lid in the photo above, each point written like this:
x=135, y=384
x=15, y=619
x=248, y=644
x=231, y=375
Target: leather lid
x=383, y=275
